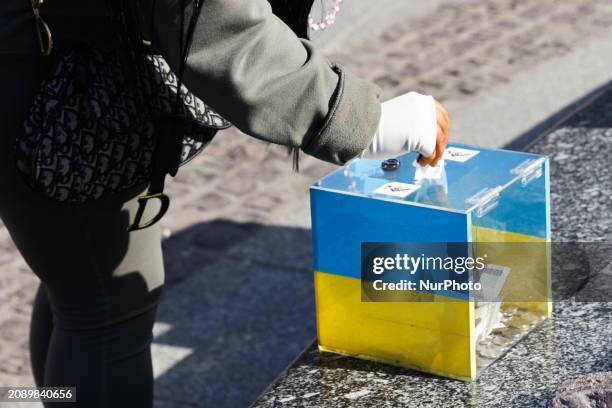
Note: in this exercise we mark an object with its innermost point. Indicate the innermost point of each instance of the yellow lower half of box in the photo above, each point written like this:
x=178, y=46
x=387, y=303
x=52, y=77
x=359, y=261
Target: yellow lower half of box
x=436, y=336
x=433, y=337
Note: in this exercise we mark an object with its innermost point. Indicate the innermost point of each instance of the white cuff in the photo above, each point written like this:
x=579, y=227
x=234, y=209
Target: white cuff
x=407, y=123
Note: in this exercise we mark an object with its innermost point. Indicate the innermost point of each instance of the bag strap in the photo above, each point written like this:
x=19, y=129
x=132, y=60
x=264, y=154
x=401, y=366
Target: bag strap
x=169, y=146
x=43, y=32
x=165, y=161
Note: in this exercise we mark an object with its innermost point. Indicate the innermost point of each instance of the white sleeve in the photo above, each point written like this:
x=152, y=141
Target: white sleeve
x=408, y=123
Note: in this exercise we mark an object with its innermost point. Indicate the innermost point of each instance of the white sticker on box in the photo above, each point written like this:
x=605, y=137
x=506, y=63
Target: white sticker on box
x=396, y=189
x=458, y=154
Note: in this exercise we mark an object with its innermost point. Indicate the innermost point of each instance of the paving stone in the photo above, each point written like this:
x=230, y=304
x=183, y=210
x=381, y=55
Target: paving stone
x=238, y=186
x=14, y=364
x=221, y=235
x=14, y=329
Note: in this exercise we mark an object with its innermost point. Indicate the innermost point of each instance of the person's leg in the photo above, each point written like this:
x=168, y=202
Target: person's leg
x=103, y=283
x=103, y=286
x=41, y=327
x=110, y=366
x=136, y=364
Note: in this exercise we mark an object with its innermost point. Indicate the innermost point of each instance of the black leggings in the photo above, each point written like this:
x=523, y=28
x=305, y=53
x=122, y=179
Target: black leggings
x=100, y=285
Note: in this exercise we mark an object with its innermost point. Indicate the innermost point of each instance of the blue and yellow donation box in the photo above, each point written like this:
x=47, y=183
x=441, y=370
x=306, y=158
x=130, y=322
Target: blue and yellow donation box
x=439, y=269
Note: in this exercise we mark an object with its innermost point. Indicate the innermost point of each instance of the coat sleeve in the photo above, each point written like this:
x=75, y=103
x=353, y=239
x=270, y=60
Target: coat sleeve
x=253, y=70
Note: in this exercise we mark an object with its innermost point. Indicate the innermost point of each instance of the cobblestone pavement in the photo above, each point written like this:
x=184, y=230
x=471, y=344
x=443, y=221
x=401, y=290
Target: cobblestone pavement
x=462, y=50
x=472, y=48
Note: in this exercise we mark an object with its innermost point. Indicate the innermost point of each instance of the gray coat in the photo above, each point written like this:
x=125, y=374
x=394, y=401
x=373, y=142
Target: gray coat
x=246, y=64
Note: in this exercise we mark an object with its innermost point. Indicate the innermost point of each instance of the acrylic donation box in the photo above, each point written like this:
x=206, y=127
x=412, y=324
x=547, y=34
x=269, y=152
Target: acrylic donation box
x=442, y=269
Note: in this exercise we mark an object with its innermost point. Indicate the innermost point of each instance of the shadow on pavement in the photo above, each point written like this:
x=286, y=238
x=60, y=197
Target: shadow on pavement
x=238, y=309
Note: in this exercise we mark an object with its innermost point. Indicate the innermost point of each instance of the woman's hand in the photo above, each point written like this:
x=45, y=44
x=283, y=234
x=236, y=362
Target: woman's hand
x=411, y=123
x=443, y=123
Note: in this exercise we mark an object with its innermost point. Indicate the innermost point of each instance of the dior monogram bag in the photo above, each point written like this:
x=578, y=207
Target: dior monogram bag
x=97, y=128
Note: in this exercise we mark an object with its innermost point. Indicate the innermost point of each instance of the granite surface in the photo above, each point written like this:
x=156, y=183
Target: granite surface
x=593, y=389
x=576, y=341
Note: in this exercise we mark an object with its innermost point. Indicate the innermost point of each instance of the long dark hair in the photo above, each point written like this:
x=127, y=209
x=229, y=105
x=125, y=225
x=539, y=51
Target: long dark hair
x=294, y=13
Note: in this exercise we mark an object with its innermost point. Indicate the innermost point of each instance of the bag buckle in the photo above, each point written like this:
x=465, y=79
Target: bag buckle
x=142, y=204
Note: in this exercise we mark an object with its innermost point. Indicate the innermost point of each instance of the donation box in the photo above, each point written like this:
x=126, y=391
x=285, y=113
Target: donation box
x=387, y=240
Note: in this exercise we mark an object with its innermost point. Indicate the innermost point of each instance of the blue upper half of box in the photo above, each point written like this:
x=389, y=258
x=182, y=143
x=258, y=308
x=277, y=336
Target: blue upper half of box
x=480, y=187
x=467, y=172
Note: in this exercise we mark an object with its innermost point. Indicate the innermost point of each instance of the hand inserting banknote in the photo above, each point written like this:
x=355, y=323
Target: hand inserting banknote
x=433, y=186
